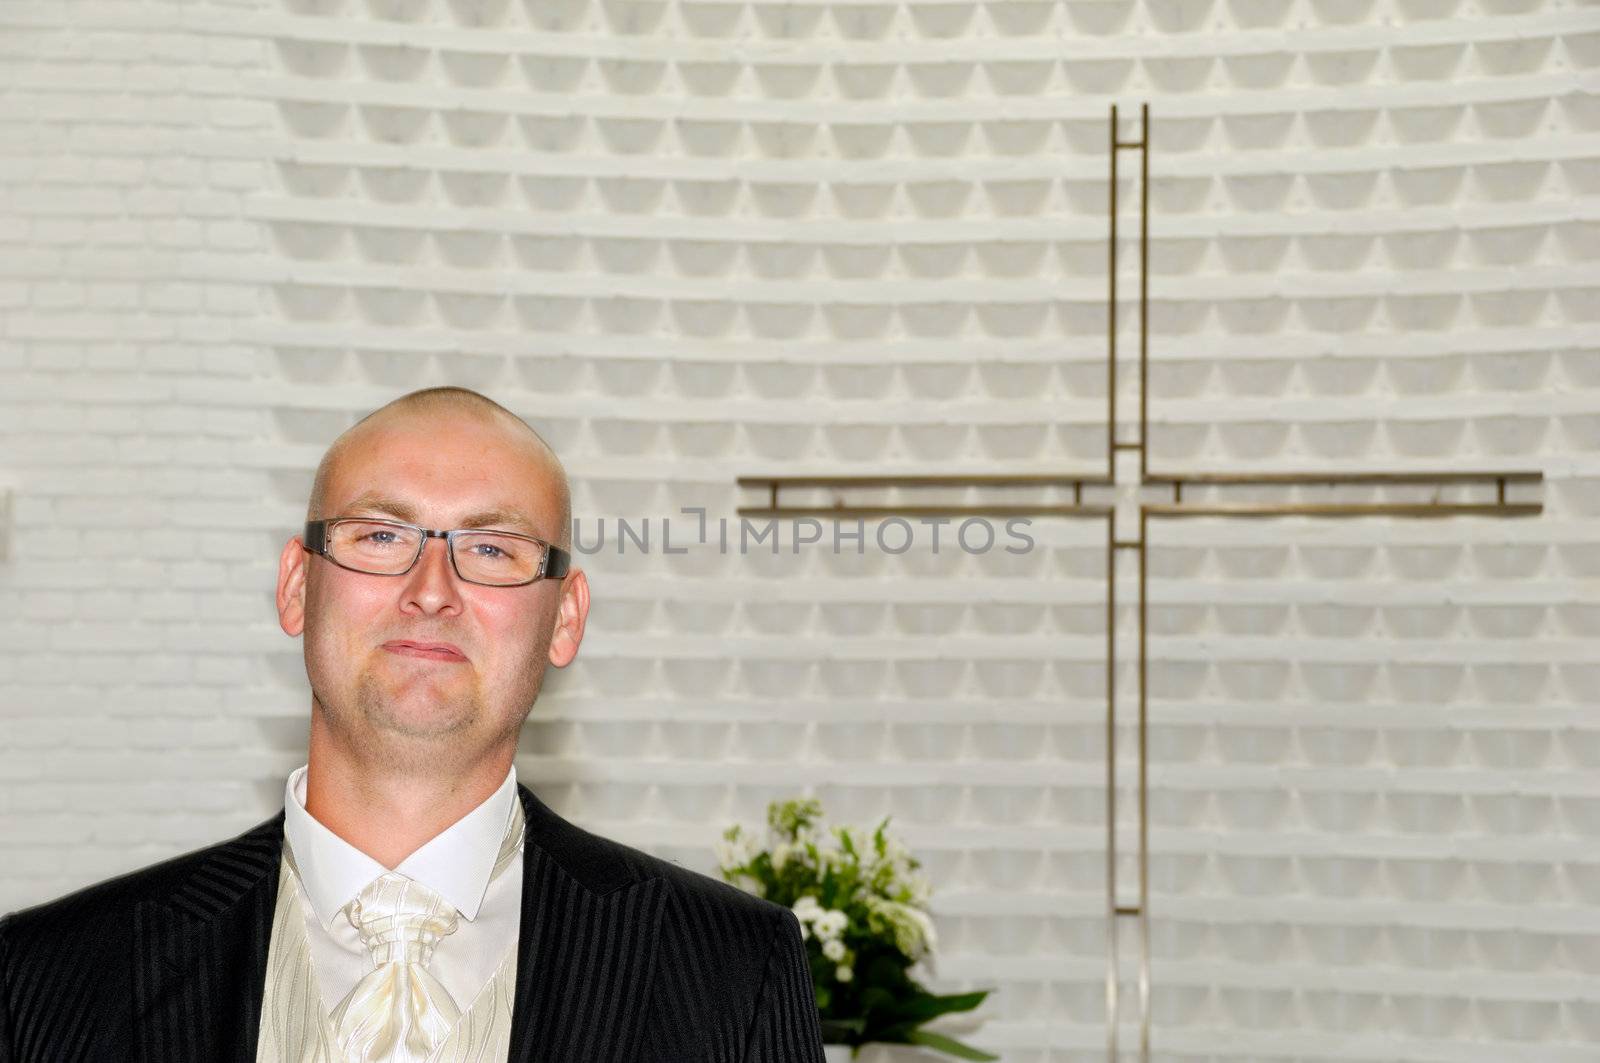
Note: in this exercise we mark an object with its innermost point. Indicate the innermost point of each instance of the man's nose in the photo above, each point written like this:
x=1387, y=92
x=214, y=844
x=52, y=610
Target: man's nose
x=431, y=585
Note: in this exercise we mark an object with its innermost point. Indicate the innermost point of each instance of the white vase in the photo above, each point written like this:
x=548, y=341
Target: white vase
x=836, y=1053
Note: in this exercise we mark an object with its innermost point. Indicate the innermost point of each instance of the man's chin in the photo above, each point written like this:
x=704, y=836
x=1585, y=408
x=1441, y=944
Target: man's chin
x=417, y=711
x=419, y=726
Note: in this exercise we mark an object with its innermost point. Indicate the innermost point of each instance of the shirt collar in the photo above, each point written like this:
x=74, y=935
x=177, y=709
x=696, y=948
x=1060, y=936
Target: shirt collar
x=456, y=863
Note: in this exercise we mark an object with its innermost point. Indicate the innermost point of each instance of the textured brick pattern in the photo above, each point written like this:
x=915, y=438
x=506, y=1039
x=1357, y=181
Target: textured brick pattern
x=690, y=240
x=132, y=607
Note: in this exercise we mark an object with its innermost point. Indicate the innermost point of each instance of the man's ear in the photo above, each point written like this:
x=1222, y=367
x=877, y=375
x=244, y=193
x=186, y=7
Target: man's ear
x=569, y=622
x=292, y=587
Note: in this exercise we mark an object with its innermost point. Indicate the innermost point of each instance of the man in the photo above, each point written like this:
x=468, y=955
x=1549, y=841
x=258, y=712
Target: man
x=413, y=902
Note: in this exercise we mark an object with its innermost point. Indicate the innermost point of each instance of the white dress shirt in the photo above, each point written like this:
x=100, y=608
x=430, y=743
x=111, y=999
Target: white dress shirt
x=456, y=864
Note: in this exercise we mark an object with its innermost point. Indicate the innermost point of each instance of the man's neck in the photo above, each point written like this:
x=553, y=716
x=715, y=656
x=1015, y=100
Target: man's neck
x=387, y=814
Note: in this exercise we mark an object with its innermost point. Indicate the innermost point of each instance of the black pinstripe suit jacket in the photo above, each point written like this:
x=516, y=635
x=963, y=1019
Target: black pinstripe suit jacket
x=621, y=957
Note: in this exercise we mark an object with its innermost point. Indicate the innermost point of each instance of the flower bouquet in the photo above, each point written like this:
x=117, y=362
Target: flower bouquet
x=863, y=914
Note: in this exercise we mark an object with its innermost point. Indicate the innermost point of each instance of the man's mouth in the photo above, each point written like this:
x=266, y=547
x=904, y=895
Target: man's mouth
x=435, y=651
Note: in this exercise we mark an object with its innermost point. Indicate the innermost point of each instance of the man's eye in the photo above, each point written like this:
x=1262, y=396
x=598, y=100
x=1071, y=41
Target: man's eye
x=373, y=536
x=482, y=547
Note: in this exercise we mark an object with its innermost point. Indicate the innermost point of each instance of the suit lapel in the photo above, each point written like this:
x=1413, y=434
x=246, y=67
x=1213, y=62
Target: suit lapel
x=585, y=947
x=201, y=955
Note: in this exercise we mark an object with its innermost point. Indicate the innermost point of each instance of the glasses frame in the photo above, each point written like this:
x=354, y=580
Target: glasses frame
x=554, y=564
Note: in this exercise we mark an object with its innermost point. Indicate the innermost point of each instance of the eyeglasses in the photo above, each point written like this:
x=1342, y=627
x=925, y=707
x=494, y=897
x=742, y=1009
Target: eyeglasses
x=391, y=547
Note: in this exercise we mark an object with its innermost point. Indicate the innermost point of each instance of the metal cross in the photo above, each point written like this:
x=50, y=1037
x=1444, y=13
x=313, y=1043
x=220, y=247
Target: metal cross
x=1209, y=483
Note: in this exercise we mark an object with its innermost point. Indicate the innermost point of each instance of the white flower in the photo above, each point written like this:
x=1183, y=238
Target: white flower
x=843, y=973
x=833, y=949
x=736, y=851
x=925, y=924
x=780, y=854
x=831, y=923
x=913, y=930
x=806, y=909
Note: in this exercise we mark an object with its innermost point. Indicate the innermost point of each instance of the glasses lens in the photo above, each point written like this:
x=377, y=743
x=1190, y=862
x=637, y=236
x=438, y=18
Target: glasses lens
x=488, y=557
x=373, y=546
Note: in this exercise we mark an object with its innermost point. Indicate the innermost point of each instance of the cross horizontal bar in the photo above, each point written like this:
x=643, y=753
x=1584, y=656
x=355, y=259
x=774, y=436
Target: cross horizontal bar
x=1353, y=509
x=999, y=479
x=924, y=511
x=1264, y=478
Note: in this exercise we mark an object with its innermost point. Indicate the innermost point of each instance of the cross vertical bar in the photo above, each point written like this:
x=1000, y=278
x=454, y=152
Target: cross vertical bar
x=1112, y=1009
x=1144, y=544
x=1144, y=300
x=1115, y=909
x=1144, y=790
x=1111, y=311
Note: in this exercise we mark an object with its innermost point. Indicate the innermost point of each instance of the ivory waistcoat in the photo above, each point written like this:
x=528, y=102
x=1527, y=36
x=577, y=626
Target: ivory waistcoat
x=294, y=1023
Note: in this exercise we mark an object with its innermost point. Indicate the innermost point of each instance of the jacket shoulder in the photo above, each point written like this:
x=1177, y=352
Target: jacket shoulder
x=705, y=914
x=603, y=864
x=716, y=895
x=710, y=891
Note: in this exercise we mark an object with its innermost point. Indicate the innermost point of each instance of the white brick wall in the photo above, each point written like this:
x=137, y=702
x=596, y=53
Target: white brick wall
x=131, y=609
x=691, y=241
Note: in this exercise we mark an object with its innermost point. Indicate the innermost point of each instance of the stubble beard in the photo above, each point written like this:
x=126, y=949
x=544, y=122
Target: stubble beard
x=444, y=714
x=432, y=728
x=407, y=726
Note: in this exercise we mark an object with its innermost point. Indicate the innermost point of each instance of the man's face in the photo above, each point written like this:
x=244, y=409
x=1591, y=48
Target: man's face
x=438, y=472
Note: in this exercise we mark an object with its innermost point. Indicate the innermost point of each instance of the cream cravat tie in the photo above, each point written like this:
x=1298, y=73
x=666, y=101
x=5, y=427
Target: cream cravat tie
x=398, y=1013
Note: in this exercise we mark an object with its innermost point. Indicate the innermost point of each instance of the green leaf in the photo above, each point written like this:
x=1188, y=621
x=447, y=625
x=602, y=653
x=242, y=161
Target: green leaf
x=876, y=998
x=948, y=1045
x=834, y=1030
x=924, y=1006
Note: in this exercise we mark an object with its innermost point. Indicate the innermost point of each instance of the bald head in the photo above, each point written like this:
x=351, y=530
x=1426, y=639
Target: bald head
x=424, y=410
